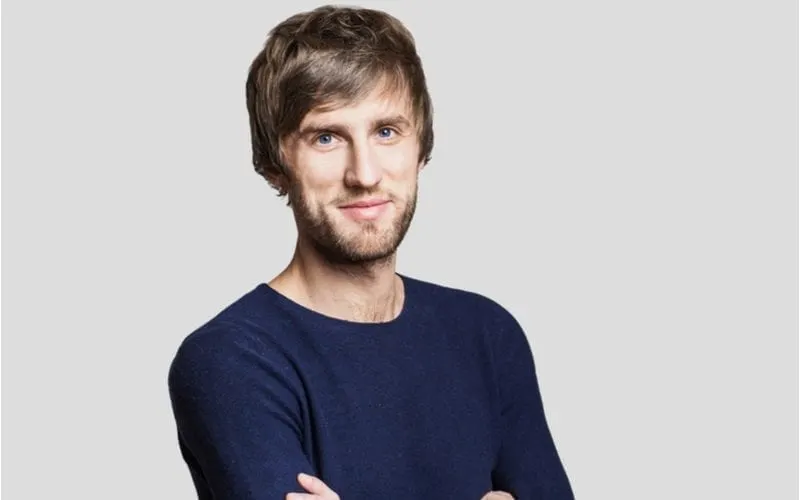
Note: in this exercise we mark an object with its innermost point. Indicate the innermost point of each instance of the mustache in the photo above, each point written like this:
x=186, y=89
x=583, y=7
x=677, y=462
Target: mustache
x=356, y=197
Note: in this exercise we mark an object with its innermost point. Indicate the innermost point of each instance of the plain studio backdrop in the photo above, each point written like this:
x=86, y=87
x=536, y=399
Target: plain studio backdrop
x=621, y=175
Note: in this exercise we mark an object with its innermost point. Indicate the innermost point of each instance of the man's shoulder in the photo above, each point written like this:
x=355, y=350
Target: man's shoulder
x=464, y=300
x=239, y=327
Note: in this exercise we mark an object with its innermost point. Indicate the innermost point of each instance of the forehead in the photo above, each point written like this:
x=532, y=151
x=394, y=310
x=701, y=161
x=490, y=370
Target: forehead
x=381, y=101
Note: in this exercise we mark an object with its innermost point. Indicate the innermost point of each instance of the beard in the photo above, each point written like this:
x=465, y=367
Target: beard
x=369, y=242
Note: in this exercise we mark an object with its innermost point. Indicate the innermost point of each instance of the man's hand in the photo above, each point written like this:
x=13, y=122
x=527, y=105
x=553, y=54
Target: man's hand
x=317, y=490
x=497, y=495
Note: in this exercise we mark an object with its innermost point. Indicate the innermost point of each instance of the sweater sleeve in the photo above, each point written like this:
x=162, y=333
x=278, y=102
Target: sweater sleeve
x=237, y=408
x=528, y=465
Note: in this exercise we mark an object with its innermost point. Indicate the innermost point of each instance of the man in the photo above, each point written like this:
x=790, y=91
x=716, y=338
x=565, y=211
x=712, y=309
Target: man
x=341, y=378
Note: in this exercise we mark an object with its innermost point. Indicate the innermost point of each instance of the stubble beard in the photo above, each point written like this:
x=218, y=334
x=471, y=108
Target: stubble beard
x=369, y=245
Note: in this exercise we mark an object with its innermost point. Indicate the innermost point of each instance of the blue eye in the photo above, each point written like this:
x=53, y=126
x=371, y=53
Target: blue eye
x=325, y=139
x=385, y=132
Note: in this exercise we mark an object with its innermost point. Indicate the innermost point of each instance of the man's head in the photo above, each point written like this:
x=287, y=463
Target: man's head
x=340, y=117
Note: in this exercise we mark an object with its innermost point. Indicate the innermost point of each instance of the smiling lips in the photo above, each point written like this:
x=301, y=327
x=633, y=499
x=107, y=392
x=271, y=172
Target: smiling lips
x=369, y=209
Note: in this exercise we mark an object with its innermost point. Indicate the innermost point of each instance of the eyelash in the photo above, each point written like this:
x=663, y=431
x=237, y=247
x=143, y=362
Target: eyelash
x=330, y=134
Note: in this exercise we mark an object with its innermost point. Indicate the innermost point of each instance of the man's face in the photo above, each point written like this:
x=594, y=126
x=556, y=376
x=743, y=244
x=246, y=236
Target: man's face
x=354, y=171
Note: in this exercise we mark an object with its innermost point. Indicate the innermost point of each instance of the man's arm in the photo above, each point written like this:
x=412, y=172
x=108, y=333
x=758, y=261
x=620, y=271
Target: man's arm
x=236, y=406
x=528, y=465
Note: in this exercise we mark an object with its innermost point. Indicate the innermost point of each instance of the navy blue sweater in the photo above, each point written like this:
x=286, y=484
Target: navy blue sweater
x=440, y=403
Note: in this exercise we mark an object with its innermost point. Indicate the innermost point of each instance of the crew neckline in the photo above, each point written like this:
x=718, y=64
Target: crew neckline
x=295, y=307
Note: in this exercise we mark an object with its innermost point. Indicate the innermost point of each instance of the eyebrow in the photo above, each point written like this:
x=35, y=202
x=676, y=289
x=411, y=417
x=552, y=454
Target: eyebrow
x=313, y=127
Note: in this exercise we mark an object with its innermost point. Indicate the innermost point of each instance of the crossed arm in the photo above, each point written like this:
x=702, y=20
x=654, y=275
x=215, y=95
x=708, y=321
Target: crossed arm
x=317, y=490
x=238, y=415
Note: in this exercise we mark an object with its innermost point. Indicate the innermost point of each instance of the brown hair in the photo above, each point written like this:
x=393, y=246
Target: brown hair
x=329, y=54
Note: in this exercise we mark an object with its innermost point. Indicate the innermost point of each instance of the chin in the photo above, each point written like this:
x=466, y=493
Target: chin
x=370, y=244
x=346, y=241
x=365, y=246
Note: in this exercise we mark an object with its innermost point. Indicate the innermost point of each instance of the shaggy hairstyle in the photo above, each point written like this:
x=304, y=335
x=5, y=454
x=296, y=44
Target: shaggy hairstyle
x=326, y=57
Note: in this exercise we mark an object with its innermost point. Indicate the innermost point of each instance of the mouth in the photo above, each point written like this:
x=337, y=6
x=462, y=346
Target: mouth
x=365, y=210
x=373, y=202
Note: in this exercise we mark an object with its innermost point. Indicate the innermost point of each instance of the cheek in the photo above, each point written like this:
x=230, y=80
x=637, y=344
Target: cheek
x=400, y=162
x=319, y=174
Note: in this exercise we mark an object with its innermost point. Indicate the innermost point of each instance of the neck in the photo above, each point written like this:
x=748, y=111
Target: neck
x=365, y=292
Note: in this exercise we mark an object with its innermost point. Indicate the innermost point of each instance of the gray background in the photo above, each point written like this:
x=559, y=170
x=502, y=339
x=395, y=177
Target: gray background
x=621, y=175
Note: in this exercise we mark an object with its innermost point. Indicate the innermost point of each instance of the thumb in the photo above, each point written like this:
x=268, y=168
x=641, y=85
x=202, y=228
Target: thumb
x=316, y=486
x=497, y=495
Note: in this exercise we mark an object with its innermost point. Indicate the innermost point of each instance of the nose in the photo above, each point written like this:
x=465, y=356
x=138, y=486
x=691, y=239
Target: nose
x=364, y=170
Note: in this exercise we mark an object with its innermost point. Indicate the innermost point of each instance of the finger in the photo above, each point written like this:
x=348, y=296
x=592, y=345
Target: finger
x=302, y=496
x=316, y=486
x=497, y=495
